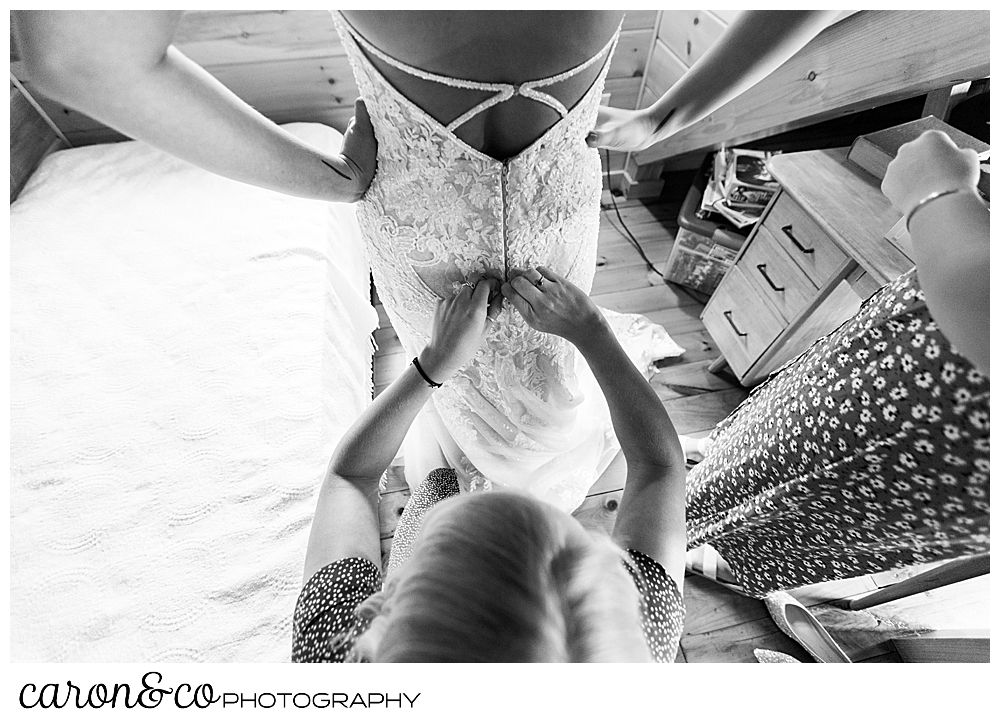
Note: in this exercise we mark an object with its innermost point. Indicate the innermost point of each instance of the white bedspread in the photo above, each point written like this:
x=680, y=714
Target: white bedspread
x=185, y=353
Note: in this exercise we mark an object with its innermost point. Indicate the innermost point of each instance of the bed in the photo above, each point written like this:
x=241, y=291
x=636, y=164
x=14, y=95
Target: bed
x=186, y=351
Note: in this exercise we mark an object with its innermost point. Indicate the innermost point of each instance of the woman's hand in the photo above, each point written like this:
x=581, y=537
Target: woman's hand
x=551, y=304
x=356, y=160
x=460, y=326
x=622, y=130
x=929, y=164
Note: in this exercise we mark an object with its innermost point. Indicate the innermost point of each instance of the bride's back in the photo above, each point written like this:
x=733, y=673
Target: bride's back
x=492, y=47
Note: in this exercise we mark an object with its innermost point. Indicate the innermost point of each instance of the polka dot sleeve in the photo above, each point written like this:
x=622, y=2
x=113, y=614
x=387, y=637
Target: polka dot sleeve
x=325, y=610
x=662, y=606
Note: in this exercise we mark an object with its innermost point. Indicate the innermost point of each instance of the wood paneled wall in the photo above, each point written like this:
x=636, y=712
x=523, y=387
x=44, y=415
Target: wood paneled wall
x=682, y=37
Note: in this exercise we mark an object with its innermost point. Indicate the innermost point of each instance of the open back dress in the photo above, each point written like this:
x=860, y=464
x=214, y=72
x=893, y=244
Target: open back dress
x=525, y=413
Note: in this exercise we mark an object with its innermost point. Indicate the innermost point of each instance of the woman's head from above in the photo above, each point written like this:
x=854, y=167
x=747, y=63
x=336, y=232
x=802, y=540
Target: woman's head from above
x=503, y=577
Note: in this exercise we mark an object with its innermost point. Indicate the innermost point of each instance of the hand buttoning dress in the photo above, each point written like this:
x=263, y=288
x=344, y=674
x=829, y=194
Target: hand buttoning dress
x=526, y=413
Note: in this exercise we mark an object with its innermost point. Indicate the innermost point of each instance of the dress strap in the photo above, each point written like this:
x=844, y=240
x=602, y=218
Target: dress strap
x=501, y=91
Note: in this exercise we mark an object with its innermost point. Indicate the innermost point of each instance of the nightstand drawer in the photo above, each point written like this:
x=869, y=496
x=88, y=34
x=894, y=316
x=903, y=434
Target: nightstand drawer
x=742, y=323
x=806, y=243
x=777, y=278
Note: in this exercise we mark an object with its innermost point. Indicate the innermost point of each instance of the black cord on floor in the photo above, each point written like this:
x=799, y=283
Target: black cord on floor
x=626, y=233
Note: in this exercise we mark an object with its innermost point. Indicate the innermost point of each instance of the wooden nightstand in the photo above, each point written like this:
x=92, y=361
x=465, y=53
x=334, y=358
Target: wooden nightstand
x=815, y=254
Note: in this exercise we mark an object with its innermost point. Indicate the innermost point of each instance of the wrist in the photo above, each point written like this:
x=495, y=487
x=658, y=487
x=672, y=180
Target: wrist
x=339, y=187
x=664, y=116
x=434, y=365
x=933, y=196
x=595, y=334
x=918, y=184
x=659, y=122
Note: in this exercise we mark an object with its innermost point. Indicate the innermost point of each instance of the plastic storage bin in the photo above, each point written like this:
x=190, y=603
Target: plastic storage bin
x=704, y=248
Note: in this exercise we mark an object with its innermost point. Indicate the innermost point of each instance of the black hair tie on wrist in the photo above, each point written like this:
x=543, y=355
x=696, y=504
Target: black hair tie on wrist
x=422, y=373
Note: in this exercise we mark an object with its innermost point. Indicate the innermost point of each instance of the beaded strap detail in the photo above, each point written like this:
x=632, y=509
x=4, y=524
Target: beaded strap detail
x=502, y=91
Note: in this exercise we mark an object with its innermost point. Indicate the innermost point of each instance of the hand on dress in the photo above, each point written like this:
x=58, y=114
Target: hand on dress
x=551, y=304
x=460, y=327
x=926, y=165
x=356, y=160
x=622, y=130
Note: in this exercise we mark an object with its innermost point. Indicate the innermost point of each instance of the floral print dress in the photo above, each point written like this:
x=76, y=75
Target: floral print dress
x=868, y=452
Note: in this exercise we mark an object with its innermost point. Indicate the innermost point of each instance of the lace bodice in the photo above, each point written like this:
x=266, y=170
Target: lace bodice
x=439, y=210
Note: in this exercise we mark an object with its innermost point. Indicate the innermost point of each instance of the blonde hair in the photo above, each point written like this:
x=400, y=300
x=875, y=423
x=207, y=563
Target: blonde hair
x=495, y=580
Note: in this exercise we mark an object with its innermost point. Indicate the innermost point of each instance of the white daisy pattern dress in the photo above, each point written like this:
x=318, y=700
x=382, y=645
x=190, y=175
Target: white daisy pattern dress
x=868, y=452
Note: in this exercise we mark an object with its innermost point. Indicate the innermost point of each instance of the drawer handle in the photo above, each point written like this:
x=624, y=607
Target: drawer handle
x=729, y=318
x=788, y=232
x=762, y=268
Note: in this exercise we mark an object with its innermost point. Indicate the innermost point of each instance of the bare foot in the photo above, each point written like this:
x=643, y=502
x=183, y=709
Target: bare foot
x=706, y=557
x=723, y=572
x=695, y=449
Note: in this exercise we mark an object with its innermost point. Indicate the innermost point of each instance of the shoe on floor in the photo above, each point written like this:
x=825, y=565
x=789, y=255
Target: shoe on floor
x=773, y=656
x=795, y=621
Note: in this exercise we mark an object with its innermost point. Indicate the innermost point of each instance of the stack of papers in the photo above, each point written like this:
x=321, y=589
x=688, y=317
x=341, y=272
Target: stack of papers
x=740, y=186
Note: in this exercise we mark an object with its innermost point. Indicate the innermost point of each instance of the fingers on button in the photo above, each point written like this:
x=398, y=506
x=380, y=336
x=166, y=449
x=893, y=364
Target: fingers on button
x=547, y=273
x=524, y=286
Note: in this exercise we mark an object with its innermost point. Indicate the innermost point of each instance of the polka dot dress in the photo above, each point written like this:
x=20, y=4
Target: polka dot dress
x=325, y=625
x=439, y=485
x=662, y=606
x=867, y=453
x=324, y=613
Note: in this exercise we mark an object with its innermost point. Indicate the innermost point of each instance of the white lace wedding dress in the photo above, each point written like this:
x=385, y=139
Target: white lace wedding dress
x=526, y=413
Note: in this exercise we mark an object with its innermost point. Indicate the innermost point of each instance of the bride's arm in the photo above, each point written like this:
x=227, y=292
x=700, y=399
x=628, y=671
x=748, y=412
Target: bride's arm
x=120, y=68
x=751, y=48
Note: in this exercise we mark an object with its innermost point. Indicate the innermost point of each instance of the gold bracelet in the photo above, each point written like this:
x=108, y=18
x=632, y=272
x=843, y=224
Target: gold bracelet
x=932, y=196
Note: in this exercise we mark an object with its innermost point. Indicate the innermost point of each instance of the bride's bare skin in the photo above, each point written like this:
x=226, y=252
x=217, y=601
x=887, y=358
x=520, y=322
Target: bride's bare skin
x=492, y=47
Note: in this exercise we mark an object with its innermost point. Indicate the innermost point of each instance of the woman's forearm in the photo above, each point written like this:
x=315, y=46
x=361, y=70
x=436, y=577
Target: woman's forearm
x=955, y=274
x=752, y=47
x=120, y=69
x=641, y=424
x=460, y=323
x=369, y=446
x=180, y=108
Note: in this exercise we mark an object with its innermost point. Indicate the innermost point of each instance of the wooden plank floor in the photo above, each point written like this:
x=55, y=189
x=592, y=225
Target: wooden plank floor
x=720, y=626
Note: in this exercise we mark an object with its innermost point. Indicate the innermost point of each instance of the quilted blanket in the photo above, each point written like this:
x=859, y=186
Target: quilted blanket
x=186, y=351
